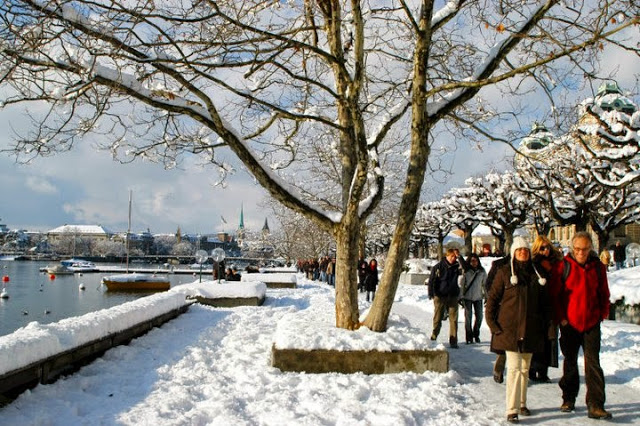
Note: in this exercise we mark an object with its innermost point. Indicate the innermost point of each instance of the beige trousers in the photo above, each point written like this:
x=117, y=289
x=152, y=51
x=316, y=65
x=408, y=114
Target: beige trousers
x=439, y=305
x=517, y=380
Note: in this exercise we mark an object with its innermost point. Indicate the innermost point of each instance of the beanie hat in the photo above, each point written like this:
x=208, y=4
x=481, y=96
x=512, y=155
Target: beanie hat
x=518, y=242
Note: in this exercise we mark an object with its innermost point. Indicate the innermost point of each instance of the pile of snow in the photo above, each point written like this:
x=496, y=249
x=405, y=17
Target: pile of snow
x=314, y=328
x=624, y=283
x=271, y=278
x=224, y=289
x=212, y=366
x=420, y=266
x=35, y=341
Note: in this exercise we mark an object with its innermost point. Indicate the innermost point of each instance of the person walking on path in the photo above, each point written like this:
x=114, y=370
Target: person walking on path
x=444, y=290
x=619, y=255
x=371, y=279
x=362, y=272
x=472, y=297
x=519, y=316
x=498, y=365
x=581, y=291
x=545, y=258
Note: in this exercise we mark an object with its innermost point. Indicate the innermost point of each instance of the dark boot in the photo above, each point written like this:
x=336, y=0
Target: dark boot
x=596, y=412
x=453, y=342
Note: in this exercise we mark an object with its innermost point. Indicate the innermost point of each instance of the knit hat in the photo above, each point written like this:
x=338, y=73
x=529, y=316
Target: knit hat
x=518, y=242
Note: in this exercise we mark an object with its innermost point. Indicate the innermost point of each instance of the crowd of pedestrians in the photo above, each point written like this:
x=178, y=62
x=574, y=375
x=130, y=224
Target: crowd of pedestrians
x=323, y=270
x=533, y=298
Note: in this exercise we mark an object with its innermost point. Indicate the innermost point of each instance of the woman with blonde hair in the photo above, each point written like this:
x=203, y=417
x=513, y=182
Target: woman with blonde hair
x=545, y=257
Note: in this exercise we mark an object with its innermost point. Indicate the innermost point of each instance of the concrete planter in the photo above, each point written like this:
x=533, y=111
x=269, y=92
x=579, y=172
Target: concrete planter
x=230, y=302
x=414, y=278
x=367, y=362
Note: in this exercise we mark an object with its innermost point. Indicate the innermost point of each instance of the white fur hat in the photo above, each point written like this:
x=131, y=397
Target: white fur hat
x=518, y=242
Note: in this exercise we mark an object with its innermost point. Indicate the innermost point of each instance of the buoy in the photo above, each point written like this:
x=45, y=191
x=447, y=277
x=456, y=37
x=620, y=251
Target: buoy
x=5, y=278
x=81, y=287
x=52, y=277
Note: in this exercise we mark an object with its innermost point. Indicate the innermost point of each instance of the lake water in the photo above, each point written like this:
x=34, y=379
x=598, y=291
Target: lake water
x=33, y=296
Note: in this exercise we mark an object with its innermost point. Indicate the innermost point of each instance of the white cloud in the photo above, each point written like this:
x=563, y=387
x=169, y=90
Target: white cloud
x=41, y=185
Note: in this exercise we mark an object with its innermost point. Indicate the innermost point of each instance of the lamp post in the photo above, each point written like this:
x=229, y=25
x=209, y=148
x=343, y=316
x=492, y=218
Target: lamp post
x=218, y=256
x=201, y=257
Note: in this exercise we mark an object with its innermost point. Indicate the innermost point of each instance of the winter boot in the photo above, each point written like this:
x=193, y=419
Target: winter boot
x=453, y=342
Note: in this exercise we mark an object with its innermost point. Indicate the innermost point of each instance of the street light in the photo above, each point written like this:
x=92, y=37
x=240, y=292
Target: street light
x=218, y=256
x=201, y=257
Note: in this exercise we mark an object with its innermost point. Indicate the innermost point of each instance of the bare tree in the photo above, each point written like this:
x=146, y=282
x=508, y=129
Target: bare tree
x=270, y=80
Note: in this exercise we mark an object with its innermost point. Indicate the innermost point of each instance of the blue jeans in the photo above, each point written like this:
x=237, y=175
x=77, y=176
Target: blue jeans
x=472, y=307
x=619, y=265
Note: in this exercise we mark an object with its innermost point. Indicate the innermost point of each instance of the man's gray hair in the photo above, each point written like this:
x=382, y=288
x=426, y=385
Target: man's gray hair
x=584, y=235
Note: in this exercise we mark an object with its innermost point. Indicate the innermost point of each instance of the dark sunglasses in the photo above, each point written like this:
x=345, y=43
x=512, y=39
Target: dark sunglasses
x=544, y=248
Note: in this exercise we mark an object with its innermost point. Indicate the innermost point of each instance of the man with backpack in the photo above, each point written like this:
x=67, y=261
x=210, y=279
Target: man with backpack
x=581, y=293
x=444, y=290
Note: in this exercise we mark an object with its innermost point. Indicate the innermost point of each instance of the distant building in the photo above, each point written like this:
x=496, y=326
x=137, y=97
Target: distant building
x=94, y=232
x=538, y=145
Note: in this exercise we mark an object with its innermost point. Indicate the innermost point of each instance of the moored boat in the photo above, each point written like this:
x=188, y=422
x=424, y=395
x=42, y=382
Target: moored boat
x=58, y=269
x=79, y=265
x=136, y=281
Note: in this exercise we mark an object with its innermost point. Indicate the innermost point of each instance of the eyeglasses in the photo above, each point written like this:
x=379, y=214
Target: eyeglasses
x=543, y=248
x=581, y=249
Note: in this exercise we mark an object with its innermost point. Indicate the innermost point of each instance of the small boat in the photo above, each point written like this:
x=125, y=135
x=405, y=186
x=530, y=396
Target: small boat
x=58, y=269
x=79, y=265
x=136, y=281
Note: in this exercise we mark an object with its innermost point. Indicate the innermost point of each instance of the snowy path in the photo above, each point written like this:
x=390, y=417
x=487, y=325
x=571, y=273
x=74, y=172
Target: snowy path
x=211, y=367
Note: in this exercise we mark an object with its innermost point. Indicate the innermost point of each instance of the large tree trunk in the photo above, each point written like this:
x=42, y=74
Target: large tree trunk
x=347, y=245
x=420, y=126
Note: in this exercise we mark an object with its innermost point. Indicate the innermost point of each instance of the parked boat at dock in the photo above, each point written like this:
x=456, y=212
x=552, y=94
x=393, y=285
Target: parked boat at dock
x=135, y=281
x=58, y=269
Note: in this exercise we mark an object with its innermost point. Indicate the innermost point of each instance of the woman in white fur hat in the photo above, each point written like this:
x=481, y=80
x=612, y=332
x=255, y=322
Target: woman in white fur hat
x=519, y=315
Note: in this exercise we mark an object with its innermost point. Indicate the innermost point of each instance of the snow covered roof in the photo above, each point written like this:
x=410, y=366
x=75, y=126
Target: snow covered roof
x=81, y=229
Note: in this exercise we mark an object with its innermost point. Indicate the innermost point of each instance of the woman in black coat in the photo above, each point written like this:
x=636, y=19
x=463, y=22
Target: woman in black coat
x=371, y=279
x=519, y=315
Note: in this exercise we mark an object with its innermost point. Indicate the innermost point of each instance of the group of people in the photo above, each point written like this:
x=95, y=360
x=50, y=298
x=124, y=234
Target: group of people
x=452, y=282
x=368, y=277
x=323, y=269
x=530, y=295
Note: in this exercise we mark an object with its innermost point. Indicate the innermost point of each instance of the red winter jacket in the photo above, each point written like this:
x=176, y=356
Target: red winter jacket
x=583, y=298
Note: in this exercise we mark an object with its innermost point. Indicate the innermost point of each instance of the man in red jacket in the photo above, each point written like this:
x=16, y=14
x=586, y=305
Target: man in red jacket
x=582, y=302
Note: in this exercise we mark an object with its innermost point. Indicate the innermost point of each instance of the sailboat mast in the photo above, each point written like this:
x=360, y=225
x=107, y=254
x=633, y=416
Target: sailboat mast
x=128, y=231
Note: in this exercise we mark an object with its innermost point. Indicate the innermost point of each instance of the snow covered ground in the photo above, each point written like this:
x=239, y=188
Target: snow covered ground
x=212, y=366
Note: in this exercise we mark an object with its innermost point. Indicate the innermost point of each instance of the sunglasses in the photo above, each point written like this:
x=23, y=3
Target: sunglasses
x=543, y=248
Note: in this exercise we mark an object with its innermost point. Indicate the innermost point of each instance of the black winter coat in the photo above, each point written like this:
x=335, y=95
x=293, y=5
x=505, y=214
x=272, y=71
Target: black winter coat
x=519, y=315
x=371, y=279
x=443, y=279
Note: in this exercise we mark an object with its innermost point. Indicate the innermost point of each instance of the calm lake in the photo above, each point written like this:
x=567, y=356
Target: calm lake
x=33, y=296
